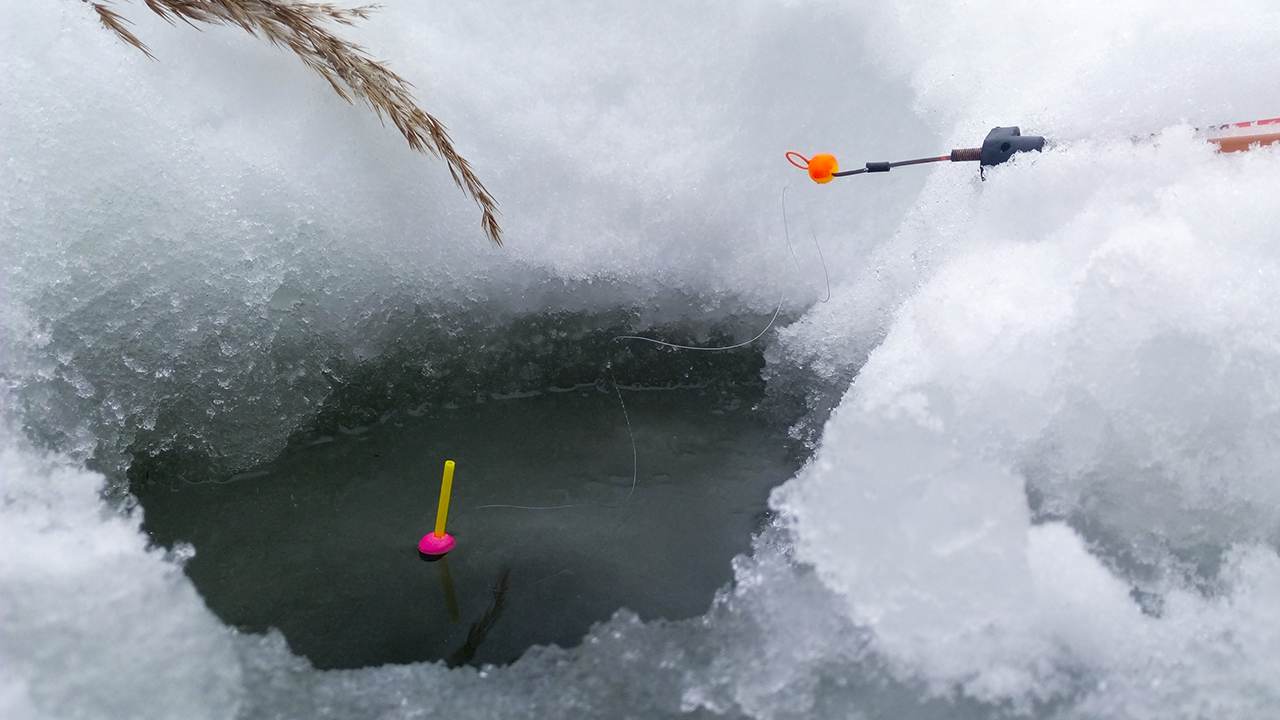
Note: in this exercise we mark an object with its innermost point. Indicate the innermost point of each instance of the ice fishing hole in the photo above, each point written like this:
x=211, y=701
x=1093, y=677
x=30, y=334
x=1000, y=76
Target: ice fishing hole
x=321, y=542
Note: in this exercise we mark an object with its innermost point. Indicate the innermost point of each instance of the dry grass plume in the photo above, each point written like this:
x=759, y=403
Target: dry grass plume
x=303, y=27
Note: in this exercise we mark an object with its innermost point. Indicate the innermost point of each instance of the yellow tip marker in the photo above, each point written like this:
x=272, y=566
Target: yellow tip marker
x=439, y=542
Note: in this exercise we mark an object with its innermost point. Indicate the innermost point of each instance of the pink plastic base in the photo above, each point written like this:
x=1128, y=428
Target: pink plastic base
x=432, y=545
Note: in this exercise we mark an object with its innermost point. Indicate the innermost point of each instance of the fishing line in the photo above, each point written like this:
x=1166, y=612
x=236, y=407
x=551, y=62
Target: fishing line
x=635, y=479
x=617, y=388
x=635, y=464
x=635, y=455
x=794, y=259
x=708, y=349
x=787, y=235
x=529, y=507
x=626, y=415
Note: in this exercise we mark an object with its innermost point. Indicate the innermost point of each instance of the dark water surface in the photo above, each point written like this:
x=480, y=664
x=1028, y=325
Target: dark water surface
x=322, y=542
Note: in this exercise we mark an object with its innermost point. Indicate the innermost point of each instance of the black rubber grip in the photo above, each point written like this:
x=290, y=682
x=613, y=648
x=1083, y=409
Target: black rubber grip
x=878, y=167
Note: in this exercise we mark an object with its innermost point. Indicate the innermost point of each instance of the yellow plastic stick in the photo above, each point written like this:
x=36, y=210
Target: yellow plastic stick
x=446, y=487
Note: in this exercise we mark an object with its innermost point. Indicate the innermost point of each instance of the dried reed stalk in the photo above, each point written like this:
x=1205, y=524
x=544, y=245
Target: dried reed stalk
x=300, y=26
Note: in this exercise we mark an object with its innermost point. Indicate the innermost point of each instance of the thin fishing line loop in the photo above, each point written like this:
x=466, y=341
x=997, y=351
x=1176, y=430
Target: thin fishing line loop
x=709, y=349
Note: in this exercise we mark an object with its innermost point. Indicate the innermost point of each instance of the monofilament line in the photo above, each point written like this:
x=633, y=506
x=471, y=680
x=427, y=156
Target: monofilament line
x=635, y=477
x=635, y=456
x=529, y=507
x=709, y=349
x=778, y=310
x=787, y=233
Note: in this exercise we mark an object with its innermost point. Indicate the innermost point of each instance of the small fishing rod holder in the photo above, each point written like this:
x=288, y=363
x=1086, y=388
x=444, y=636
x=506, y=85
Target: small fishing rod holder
x=1001, y=144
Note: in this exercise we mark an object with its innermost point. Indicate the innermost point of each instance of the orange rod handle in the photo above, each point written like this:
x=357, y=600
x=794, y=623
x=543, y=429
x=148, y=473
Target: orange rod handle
x=1241, y=143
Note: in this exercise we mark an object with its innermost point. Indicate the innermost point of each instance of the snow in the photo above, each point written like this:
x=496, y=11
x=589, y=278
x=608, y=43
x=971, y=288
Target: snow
x=1047, y=485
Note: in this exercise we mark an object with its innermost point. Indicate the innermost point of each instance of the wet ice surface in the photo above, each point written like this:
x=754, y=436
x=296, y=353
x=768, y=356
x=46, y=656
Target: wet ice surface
x=321, y=543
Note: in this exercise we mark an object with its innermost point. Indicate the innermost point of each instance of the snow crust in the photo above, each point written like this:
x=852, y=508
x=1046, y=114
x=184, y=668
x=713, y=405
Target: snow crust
x=1048, y=486
x=93, y=623
x=1105, y=378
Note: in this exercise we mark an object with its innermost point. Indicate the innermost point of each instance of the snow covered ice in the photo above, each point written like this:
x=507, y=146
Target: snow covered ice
x=1047, y=483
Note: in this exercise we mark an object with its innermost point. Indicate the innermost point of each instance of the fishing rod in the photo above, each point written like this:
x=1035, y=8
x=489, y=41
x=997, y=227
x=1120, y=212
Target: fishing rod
x=1003, y=143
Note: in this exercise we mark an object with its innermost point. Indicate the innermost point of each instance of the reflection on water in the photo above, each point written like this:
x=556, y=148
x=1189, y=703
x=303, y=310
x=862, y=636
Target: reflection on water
x=557, y=524
x=446, y=582
x=479, y=629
